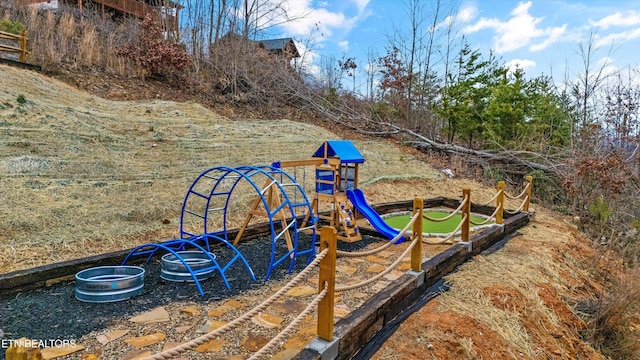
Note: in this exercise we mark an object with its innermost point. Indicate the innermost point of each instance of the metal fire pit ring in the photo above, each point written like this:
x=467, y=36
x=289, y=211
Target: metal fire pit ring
x=172, y=269
x=109, y=283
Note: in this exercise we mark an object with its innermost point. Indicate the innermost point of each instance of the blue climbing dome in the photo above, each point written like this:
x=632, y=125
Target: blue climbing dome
x=221, y=194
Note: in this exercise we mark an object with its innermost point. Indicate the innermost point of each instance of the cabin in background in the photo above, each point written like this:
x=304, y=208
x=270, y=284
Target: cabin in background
x=166, y=10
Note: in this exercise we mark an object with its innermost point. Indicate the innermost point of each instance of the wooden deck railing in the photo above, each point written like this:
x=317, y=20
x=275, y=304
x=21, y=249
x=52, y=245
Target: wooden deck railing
x=138, y=9
x=21, y=41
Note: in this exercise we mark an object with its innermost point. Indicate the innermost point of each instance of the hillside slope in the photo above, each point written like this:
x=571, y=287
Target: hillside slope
x=107, y=175
x=516, y=303
x=82, y=175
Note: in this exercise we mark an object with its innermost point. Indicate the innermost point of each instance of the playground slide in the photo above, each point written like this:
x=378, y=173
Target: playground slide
x=356, y=197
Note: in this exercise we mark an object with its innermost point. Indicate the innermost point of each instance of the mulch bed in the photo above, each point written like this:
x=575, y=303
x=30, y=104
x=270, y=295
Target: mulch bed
x=53, y=312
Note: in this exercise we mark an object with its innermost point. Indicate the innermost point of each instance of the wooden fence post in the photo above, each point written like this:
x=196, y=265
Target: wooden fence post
x=466, y=213
x=500, y=203
x=327, y=277
x=416, y=252
x=23, y=46
x=527, y=194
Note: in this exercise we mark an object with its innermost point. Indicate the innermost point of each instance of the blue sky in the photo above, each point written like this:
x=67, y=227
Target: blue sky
x=541, y=36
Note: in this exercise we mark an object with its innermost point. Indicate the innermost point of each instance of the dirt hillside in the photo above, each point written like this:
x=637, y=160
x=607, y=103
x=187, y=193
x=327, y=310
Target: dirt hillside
x=83, y=175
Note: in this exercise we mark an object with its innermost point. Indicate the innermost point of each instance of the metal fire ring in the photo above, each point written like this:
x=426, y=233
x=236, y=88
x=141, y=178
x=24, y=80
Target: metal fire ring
x=109, y=283
x=172, y=269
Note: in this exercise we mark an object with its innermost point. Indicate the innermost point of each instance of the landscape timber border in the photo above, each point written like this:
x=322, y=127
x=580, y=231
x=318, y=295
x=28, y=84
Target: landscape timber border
x=360, y=326
x=46, y=275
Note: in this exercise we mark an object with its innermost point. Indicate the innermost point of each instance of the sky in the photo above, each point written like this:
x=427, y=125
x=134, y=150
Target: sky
x=542, y=37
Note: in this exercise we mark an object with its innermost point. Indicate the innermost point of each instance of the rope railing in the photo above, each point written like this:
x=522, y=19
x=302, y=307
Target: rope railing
x=326, y=260
x=453, y=213
x=511, y=197
x=286, y=332
x=384, y=272
x=520, y=208
x=494, y=198
x=175, y=351
x=491, y=217
x=381, y=248
x=448, y=237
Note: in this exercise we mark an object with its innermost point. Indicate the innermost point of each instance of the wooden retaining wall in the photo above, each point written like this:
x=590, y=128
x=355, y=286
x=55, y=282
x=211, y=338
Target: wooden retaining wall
x=357, y=328
x=24, y=280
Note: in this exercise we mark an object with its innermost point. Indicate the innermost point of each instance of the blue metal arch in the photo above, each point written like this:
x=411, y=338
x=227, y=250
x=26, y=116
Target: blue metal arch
x=169, y=246
x=219, y=174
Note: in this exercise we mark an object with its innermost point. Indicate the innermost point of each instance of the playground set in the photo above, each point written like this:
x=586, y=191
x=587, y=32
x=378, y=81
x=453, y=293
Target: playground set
x=280, y=198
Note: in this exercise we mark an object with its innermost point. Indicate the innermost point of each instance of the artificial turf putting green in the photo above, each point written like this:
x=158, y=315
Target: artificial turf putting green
x=430, y=227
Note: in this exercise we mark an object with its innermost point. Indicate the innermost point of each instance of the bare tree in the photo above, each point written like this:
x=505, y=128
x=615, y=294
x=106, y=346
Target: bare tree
x=429, y=30
x=370, y=73
x=588, y=83
x=261, y=15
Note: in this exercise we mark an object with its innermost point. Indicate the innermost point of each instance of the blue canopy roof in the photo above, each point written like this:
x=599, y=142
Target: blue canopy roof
x=342, y=149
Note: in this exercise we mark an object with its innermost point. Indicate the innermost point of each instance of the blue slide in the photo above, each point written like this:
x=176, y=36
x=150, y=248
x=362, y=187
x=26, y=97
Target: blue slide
x=356, y=197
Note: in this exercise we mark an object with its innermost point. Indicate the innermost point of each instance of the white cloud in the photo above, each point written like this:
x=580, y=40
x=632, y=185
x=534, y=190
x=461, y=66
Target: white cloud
x=630, y=18
x=617, y=38
x=605, y=61
x=344, y=45
x=319, y=23
x=518, y=31
x=361, y=4
x=523, y=64
x=318, y=19
x=307, y=61
x=466, y=14
x=553, y=35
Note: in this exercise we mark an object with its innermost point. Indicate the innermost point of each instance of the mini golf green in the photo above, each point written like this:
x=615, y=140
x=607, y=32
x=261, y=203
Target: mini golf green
x=399, y=221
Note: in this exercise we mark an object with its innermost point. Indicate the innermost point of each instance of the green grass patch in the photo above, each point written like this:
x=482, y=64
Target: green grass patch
x=444, y=227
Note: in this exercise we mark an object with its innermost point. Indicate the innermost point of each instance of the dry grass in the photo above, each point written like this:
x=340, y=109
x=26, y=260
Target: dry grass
x=83, y=175
x=519, y=270
x=615, y=323
x=66, y=39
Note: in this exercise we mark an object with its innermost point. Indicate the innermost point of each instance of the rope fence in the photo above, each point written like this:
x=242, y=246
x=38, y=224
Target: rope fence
x=353, y=254
x=175, y=351
x=286, y=332
x=495, y=197
x=490, y=218
x=497, y=216
x=449, y=237
x=453, y=213
x=525, y=195
x=325, y=260
x=384, y=272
